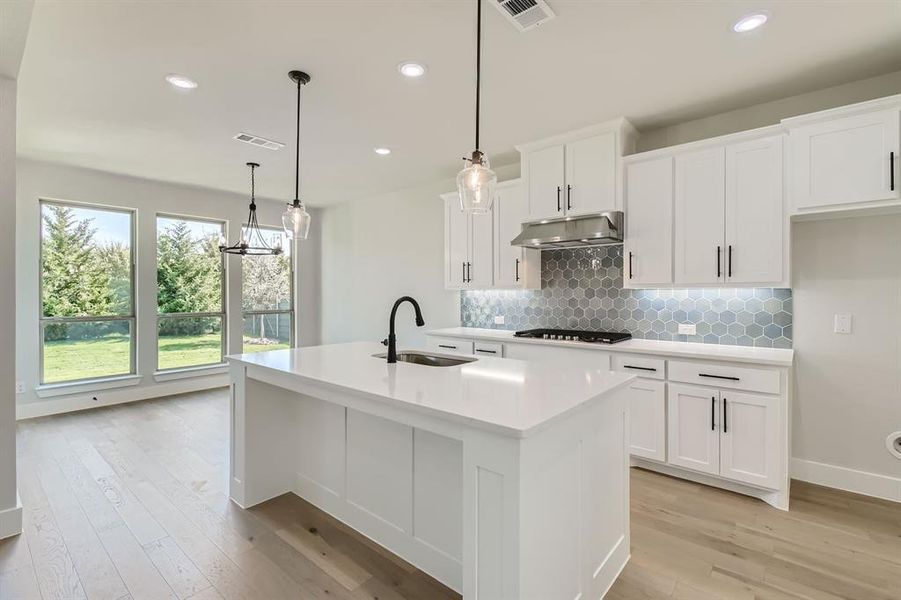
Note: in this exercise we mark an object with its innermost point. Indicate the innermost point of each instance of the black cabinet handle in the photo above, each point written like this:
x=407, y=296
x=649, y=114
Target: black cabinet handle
x=558, y=198
x=713, y=413
x=464, y=271
x=891, y=168
x=468, y=272
x=448, y=346
x=486, y=351
x=517, y=269
x=569, y=190
x=725, y=418
x=639, y=368
x=630, y=265
x=730, y=260
x=718, y=377
x=719, y=270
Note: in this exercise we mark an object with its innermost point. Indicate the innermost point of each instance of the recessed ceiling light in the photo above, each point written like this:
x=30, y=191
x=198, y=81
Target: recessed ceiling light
x=409, y=68
x=750, y=22
x=383, y=151
x=181, y=82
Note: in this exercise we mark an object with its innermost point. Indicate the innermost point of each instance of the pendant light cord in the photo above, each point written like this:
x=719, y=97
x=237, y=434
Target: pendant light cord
x=253, y=187
x=478, y=66
x=297, y=153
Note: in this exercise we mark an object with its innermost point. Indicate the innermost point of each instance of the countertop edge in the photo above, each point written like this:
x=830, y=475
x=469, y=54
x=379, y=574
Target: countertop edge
x=503, y=335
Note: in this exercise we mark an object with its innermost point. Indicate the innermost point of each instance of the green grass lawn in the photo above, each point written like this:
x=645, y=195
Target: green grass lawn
x=68, y=360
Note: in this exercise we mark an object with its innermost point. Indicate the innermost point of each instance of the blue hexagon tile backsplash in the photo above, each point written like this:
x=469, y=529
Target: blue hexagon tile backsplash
x=582, y=288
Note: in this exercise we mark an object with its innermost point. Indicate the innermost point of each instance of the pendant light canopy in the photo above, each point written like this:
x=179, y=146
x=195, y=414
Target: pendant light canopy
x=252, y=241
x=296, y=219
x=476, y=183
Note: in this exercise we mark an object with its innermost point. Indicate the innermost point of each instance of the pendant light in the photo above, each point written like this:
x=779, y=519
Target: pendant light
x=476, y=183
x=296, y=219
x=252, y=241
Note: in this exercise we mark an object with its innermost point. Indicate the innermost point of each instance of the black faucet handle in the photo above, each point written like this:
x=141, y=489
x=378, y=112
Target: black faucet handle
x=385, y=342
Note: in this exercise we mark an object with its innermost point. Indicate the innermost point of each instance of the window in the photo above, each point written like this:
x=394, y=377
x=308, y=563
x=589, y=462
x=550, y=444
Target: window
x=267, y=290
x=190, y=293
x=87, y=292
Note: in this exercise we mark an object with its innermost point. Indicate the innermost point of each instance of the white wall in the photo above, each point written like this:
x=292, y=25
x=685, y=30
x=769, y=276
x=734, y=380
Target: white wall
x=848, y=386
x=50, y=181
x=10, y=517
x=375, y=250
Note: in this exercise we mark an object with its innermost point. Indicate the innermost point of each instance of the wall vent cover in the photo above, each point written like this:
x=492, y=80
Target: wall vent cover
x=255, y=140
x=525, y=14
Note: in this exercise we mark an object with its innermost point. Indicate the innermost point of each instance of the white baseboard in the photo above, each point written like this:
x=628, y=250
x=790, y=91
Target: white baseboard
x=85, y=401
x=11, y=520
x=850, y=480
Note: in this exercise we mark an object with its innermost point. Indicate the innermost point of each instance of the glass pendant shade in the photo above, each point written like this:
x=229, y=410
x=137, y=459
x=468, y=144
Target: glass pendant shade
x=476, y=185
x=296, y=222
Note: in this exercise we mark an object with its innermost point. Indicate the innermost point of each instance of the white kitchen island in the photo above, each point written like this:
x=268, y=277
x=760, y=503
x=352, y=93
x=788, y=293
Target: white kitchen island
x=504, y=479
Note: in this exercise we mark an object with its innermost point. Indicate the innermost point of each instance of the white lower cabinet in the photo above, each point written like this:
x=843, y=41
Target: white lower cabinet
x=726, y=433
x=647, y=408
x=694, y=440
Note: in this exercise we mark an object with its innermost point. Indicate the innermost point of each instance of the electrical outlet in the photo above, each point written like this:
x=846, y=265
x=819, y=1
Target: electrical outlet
x=20, y=387
x=499, y=320
x=688, y=329
x=842, y=324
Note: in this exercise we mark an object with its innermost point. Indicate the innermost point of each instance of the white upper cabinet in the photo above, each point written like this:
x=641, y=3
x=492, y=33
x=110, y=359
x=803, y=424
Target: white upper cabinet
x=699, y=216
x=545, y=182
x=514, y=266
x=591, y=175
x=755, y=214
x=576, y=173
x=845, y=158
x=468, y=247
x=648, y=248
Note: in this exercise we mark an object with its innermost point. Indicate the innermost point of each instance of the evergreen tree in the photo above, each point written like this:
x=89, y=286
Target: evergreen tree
x=189, y=277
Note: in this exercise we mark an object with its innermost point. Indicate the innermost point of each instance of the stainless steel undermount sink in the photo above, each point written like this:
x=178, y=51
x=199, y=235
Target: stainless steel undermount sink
x=429, y=360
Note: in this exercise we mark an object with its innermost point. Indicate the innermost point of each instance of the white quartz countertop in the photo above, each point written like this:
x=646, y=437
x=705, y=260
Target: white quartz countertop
x=762, y=356
x=512, y=397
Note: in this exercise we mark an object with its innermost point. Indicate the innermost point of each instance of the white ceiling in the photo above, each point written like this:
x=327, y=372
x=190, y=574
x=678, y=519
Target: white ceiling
x=92, y=92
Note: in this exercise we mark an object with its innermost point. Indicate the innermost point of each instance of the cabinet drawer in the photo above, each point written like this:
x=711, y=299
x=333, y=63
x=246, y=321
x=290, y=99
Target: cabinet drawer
x=643, y=366
x=725, y=376
x=488, y=349
x=449, y=345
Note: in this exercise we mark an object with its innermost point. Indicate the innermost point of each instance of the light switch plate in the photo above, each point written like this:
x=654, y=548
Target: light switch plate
x=842, y=324
x=499, y=320
x=688, y=329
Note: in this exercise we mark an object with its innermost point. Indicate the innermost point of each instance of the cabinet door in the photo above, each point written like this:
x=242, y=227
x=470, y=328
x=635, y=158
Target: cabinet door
x=648, y=250
x=754, y=212
x=699, y=216
x=510, y=211
x=456, y=244
x=647, y=415
x=693, y=437
x=591, y=175
x=845, y=161
x=750, y=439
x=544, y=183
x=481, y=258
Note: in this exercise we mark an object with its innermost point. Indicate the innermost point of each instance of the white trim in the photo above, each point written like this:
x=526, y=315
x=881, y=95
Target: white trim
x=71, y=403
x=720, y=140
x=886, y=103
x=619, y=125
x=50, y=390
x=11, y=520
x=191, y=372
x=850, y=480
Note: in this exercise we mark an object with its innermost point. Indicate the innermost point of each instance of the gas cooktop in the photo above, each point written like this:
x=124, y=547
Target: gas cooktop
x=592, y=337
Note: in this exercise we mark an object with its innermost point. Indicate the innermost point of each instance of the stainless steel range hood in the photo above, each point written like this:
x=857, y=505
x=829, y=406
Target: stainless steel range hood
x=599, y=229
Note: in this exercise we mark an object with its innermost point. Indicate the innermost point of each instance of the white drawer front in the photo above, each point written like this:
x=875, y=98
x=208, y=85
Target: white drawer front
x=448, y=345
x=725, y=376
x=649, y=367
x=493, y=349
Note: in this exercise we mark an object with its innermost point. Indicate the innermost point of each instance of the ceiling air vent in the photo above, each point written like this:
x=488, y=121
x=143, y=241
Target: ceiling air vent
x=255, y=140
x=525, y=14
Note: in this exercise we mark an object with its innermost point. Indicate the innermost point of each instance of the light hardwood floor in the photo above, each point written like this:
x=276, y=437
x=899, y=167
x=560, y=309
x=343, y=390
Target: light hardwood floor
x=130, y=502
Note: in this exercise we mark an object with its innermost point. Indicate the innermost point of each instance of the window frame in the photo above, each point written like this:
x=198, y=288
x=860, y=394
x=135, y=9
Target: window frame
x=131, y=317
x=289, y=311
x=223, y=315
